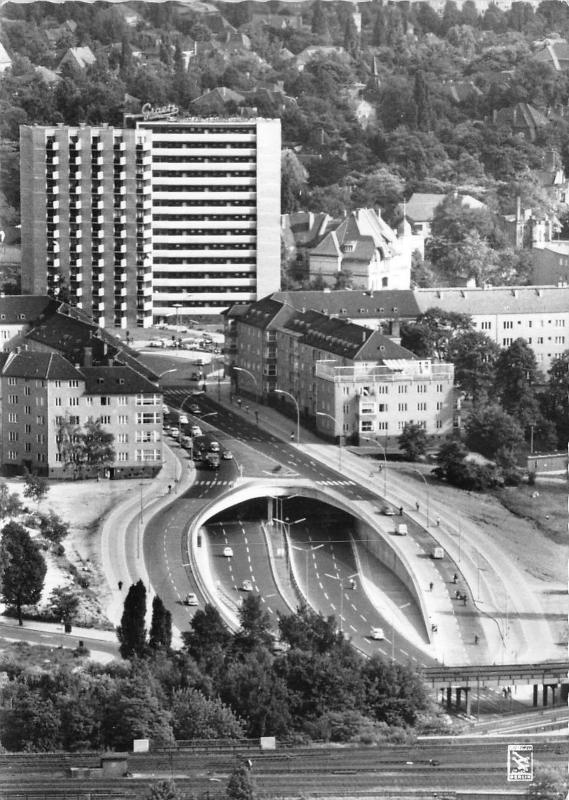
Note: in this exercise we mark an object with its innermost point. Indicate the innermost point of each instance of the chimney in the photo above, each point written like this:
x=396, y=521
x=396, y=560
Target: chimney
x=88, y=357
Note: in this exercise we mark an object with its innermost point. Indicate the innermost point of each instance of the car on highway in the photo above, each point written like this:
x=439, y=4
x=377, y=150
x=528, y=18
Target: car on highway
x=195, y=430
x=247, y=586
x=214, y=447
x=227, y=455
x=165, y=409
x=377, y=634
x=228, y=552
x=196, y=376
x=183, y=419
x=389, y=511
x=195, y=409
x=175, y=432
x=212, y=460
x=191, y=599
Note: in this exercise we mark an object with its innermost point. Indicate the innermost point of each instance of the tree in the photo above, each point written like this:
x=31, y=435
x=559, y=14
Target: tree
x=241, y=784
x=98, y=444
x=351, y=37
x=53, y=527
x=413, y=441
x=22, y=568
x=557, y=397
x=492, y=432
x=164, y=790
x=10, y=503
x=195, y=716
x=431, y=334
x=517, y=376
x=307, y=630
x=208, y=638
x=161, y=625
x=549, y=783
x=132, y=631
x=63, y=603
x=35, y=487
x=474, y=356
x=255, y=624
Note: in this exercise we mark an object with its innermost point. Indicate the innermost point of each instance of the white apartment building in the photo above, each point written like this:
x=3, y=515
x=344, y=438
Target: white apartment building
x=215, y=212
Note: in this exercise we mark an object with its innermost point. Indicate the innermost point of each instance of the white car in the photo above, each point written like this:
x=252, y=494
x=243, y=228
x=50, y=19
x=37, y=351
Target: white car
x=196, y=430
x=191, y=599
x=377, y=634
x=175, y=432
x=183, y=420
x=247, y=586
x=228, y=552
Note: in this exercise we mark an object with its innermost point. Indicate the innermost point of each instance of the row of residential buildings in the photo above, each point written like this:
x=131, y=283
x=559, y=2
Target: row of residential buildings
x=57, y=372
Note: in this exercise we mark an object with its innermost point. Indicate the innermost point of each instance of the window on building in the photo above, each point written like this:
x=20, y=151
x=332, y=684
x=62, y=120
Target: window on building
x=13, y=436
x=402, y=407
x=40, y=401
x=439, y=423
x=105, y=401
x=12, y=417
x=27, y=428
x=400, y=425
x=367, y=425
x=439, y=387
x=27, y=390
x=402, y=388
x=122, y=400
x=40, y=438
x=123, y=419
x=73, y=419
x=41, y=457
x=73, y=384
x=73, y=401
x=58, y=384
x=147, y=455
x=559, y=340
x=58, y=401
x=439, y=405
x=122, y=438
x=122, y=456
x=147, y=399
x=12, y=399
x=422, y=388
x=507, y=341
x=540, y=339
x=88, y=401
x=147, y=417
x=421, y=406
x=12, y=381
x=382, y=426
x=382, y=408
x=367, y=410
x=508, y=324
x=40, y=419
x=27, y=409
x=486, y=326
x=105, y=420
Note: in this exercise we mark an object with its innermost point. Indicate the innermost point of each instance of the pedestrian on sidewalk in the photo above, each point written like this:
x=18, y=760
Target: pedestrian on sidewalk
x=169, y=488
x=292, y=437
x=257, y=417
x=400, y=511
x=438, y=521
x=431, y=586
x=455, y=577
x=417, y=506
x=120, y=586
x=464, y=599
x=476, y=640
x=246, y=408
x=239, y=401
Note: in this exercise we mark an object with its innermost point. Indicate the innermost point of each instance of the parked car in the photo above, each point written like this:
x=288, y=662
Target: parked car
x=175, y=432
x=196, y=376
x=200, y=362
x=165, y=409
x=377, y=634
x=195, y=409
x=228, y=552
x=227, y=455
x=195, y=430
x=191, y=599
x=401, y=529
x=247, y=586
x=388, y=511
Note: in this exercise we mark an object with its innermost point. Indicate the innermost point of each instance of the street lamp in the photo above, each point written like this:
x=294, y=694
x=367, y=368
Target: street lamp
x=428, y=495
x=295, y=401
x=253, y=378
x=369, y=439
x=335, y=421
x=166, y=371
x=341, y=581
x=306, y=551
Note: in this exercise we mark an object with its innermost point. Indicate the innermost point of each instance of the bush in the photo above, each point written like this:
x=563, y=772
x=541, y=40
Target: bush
x=53, y=527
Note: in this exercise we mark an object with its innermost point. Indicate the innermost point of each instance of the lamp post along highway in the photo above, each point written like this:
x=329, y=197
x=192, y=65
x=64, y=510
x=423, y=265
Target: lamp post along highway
x=295, y=401
x=428, y=495
x=335, y=421
x=253, y=378
x=369, y=439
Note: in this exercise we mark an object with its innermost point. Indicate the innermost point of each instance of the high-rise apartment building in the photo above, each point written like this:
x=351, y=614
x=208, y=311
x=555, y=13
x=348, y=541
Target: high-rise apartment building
x=167, y=218
x=86, y=220
x=215, y=212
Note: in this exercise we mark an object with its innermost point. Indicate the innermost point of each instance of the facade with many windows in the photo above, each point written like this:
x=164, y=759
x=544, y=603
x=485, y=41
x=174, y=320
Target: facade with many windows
x=87, y=221
x=215, y=212
x=353, y=382
x=45, y=399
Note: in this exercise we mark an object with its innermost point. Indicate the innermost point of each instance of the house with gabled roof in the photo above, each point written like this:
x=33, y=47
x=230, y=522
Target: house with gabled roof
x=522, y=118
x=421, y=206
x=365, y=248
x=78, y=58
x=555, y=53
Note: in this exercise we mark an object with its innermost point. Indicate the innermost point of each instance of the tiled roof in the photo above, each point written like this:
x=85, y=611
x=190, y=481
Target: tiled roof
x=18, y=309
x=496, y=300
x=344, y=339
x=385, y=304
x=264, y=313
x=116, y=380
x=46, y=366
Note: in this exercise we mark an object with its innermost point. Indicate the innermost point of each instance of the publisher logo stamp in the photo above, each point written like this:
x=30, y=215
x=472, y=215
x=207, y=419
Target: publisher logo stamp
x=520, y=762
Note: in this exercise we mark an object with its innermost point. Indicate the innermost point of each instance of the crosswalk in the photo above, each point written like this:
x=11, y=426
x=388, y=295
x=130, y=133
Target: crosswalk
x=336, y=483
x=213, y=483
